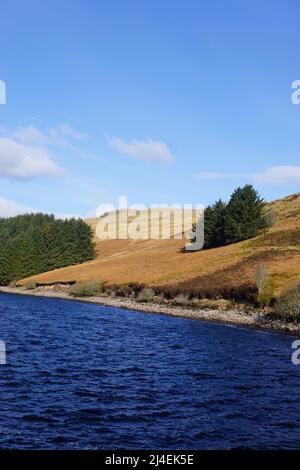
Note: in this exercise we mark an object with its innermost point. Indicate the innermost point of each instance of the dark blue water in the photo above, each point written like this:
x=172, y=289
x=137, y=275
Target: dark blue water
x=82, y=376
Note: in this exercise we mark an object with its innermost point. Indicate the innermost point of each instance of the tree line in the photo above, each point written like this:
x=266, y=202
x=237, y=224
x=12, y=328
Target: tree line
x=240, y=219
x=35, y=243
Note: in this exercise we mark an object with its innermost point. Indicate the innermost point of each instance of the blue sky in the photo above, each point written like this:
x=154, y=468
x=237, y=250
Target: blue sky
x=162, y=101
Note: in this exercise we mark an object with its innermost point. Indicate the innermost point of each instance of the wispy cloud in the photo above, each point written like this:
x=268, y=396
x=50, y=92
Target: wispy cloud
x=145, y=150
x=273, y=176
x=30, y=135
x=10, y=209
x=67, y=130
x=278, y=175
x=58, y=136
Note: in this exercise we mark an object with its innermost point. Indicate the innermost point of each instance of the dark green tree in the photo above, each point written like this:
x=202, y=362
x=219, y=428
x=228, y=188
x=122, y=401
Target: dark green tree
x=35, y=243
x=213, y=224
x=215, y=236
x=244, y=216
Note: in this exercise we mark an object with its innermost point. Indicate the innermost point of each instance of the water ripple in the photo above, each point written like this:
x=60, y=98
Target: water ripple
x=83, y=376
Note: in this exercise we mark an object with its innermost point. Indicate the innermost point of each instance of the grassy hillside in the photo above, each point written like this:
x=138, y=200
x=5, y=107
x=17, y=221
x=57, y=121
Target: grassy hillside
x=218, y=272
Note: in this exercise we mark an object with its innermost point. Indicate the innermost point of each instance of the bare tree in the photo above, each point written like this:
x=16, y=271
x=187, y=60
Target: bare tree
x=261, y=277
x=271, y=217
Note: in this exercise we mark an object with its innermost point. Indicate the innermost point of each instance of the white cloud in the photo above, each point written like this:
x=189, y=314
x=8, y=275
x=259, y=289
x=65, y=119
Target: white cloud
x=145, y=150
x=25, y=161
x=273, y=176
x=10, y=209
x=25, y=153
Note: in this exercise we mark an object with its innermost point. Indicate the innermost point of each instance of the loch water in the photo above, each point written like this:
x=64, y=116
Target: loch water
x=85, y=376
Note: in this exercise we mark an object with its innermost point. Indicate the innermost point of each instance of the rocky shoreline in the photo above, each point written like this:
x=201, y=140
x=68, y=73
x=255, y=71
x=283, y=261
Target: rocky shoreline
x=249, y=318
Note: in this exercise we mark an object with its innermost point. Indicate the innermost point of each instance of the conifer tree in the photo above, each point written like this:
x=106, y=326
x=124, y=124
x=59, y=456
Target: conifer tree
x=244, y=216
x=35, y=243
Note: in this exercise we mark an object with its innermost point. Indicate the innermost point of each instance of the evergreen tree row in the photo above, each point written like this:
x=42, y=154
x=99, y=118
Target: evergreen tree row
x=35, y=243
x=240, y=219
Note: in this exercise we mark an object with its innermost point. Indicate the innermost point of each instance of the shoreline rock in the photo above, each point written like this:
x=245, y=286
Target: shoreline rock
x=234, y=316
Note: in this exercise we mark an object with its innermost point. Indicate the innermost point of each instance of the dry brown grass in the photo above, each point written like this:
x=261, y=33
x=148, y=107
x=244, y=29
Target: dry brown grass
x=220, y=272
